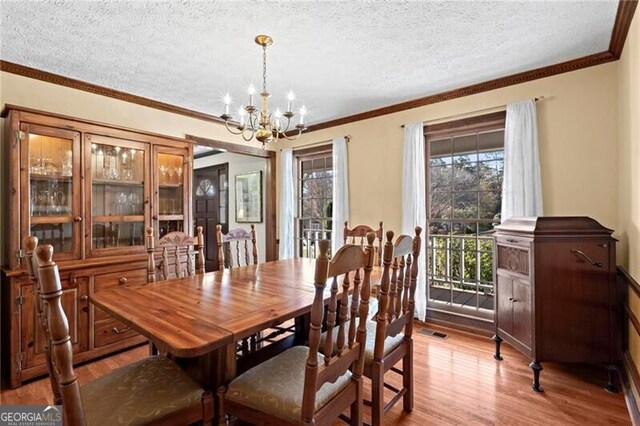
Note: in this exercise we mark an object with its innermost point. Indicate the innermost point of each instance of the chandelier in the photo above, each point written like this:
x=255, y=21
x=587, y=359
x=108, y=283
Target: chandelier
x=266, y=126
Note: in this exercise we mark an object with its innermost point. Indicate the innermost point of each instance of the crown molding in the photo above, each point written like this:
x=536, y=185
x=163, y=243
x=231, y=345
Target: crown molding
x=61, y=80
x=624, y=16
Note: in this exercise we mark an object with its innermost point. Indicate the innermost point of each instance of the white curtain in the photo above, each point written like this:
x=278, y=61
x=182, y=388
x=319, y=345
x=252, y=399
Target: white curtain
x=414, y=211
x=287, y=205
x=521, y=187
x=340, y=207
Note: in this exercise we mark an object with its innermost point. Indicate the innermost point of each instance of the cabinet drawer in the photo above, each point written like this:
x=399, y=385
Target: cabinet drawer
x=110, y=330
x=513, y=241
x=115, y=279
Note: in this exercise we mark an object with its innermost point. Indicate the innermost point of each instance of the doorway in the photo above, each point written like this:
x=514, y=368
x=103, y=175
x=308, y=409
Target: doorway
x=211, y=207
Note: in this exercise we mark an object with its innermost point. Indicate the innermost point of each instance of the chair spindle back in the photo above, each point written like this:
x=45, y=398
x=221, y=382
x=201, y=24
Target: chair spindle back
x=358, y=236
x=235, y=246
x=177, y=252
x=397, y=288
x=59, y=340
x=353, y=265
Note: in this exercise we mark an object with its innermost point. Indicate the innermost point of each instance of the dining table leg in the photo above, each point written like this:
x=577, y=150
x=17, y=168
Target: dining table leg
x=213, y=371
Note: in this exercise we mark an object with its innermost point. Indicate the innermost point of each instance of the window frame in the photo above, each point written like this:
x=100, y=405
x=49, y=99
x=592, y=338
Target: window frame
x=476, y=125
x=301, y=155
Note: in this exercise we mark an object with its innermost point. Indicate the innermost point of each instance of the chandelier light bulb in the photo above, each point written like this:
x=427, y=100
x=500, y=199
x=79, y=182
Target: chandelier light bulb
x=227, y=103
x=251, y=89
x=241, y=112
x=290, y=97
x=303, y=112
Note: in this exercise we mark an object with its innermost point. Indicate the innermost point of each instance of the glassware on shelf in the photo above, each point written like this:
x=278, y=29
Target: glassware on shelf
x=163, y=170
x=170, y=171
x=66, y=164
x=43, y=166
x=179, y=174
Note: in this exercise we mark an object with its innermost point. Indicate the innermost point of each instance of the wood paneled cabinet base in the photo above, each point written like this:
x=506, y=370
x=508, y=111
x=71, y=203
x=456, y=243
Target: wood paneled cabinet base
x=90, y=190
x=556, y=293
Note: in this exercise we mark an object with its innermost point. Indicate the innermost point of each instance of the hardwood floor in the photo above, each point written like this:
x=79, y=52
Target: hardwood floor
x=457, y=382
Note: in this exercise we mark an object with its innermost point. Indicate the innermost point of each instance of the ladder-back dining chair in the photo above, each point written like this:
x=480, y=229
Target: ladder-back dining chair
x=151, y=391
x=357, y=235
x=30, y=244
x=174, y=255
x=390, y=338
x=233, y=250
x=236, y=241
x=315, y=384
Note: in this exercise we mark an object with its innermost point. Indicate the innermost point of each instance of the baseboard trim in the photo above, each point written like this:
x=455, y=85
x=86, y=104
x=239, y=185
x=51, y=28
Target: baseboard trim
x=461, y=322
x=630, y=380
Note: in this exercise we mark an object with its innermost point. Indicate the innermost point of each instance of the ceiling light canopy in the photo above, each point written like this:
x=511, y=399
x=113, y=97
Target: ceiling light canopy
x=264, y=125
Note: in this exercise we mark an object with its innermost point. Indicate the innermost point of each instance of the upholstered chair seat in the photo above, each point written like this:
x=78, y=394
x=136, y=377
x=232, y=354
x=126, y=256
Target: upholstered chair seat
x=390, y=343
x=139, y=394
x=276, y=386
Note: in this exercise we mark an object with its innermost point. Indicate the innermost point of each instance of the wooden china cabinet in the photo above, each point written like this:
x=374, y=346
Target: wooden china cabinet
x=90, y=190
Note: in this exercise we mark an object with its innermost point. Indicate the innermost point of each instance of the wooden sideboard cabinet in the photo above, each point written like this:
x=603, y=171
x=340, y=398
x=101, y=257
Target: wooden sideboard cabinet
x=556, y=293
x=90, y=190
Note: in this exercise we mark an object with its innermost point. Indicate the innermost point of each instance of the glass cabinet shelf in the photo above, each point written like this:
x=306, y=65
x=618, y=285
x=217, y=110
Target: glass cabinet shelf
x=117, y=195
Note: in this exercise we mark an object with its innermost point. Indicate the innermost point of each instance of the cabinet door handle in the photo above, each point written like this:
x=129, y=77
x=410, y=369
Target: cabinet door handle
x=120, y=331
x=511, y=299
x=77, y=219
x=587, y=258
x=123, y=280
x=85, y=297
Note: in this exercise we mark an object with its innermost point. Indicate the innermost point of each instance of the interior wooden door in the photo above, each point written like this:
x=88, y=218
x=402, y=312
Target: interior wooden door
x=211, y=207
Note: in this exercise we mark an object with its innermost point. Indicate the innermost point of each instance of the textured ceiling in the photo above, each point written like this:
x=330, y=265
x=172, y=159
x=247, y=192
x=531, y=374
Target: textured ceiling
x=340, y=57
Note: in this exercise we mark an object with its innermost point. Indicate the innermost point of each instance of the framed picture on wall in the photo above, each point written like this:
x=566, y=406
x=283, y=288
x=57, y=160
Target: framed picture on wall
x=249, y=197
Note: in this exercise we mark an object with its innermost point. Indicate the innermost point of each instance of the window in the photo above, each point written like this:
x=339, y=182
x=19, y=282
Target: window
x=465, y=169
x=314, y=170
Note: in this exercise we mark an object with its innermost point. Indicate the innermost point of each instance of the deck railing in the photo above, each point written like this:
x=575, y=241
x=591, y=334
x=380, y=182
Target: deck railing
x=460, y=271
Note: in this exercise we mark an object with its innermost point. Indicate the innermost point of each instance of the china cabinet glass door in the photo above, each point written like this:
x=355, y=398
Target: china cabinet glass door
x=51, y=202
x=118, y=178
x=171, y=176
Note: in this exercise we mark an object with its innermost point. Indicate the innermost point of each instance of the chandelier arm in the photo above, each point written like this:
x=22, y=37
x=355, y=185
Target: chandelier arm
x=286, y=128
x=253, y=120
x=294, y=137
x=226, y=124
x=251, y=133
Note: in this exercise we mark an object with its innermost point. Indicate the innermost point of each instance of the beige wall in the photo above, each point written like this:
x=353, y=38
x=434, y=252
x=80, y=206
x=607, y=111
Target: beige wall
x=629, y=171
x=577, y=122
x=629, y=151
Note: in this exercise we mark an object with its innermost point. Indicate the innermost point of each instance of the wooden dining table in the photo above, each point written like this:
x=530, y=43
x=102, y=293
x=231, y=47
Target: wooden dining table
x=199, y=319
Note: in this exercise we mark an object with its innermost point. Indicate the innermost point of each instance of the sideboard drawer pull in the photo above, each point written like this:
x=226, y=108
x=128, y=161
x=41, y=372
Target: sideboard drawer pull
x=512, y=241
x=123, y=280
x=119, y=331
